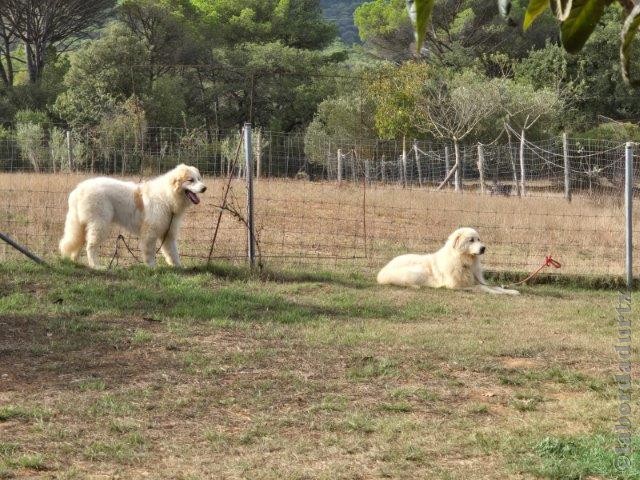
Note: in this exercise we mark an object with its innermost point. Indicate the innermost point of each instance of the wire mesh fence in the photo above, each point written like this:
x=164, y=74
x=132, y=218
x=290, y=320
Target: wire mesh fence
x=341, y=204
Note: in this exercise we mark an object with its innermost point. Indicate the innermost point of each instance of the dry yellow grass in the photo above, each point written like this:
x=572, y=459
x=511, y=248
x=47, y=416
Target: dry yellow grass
x=324, y=224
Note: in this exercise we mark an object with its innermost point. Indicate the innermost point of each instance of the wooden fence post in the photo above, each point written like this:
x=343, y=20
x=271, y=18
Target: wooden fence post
x=481, y=166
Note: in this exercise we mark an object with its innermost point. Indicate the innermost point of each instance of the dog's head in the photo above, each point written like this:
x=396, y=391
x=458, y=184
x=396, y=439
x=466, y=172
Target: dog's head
x=466, y=241
x=187, y=181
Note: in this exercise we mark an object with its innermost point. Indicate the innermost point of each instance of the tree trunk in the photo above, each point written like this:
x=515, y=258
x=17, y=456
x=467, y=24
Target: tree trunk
x=31, y=63
x=5, y=77
x=457, y=181
x=7, y=68
x=453, y=170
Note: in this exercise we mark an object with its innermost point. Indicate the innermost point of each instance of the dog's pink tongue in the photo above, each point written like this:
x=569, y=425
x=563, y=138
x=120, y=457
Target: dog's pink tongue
x=193, y=197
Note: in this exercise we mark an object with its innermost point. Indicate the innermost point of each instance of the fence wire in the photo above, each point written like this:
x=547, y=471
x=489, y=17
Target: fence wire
x=347, y=204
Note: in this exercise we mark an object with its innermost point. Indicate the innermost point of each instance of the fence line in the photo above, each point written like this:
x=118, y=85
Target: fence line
x=350, y=203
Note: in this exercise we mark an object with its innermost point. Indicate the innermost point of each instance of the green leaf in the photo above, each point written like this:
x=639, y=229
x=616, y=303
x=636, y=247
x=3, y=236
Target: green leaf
x=584, y=16
x=629, y=31
x=534, y=9
x=423, y=9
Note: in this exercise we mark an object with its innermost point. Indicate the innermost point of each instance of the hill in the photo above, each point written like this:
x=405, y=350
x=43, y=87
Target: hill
x=341, y=12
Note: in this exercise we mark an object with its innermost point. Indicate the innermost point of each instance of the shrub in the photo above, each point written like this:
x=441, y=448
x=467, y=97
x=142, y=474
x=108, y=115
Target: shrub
x=30, y=139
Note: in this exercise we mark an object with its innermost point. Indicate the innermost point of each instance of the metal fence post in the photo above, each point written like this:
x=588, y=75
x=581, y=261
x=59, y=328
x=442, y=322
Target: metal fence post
x=251, y=250
x=339, y=165
x=567, y=173
x=628, y=197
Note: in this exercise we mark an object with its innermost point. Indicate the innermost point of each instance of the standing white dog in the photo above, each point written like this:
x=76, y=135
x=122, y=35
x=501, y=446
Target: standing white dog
x=456, y=265
x=151, y=209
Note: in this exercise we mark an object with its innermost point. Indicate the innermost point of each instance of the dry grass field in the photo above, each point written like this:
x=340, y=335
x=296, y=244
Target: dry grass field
x=219, y=374
x=348, y=226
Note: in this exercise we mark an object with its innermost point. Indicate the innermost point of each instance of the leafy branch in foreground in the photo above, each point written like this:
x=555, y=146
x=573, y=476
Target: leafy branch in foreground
x=578, y=19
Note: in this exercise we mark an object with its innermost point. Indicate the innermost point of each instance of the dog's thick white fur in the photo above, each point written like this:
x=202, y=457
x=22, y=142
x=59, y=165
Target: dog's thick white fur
x=456, y=265
x=152, y=209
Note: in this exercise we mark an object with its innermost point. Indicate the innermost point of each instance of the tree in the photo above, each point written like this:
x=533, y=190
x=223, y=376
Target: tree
x=451, y=107
x=169, y=30
x=101, y=77
x=394, y=91
x=524, y=108
x=385, y=28
x=295, y=23
x=8, y=42
x=41, y=24
x=343, y=122
x=274, y=85
x=578, y=20
x=461, y=33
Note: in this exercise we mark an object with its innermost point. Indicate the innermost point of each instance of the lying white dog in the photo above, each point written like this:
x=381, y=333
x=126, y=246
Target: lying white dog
x=455, y=265
x=151, y=209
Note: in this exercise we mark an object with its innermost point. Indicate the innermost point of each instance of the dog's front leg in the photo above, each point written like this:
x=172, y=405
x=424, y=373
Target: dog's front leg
x=496, y=290
x=170, y=251
x=148, y=241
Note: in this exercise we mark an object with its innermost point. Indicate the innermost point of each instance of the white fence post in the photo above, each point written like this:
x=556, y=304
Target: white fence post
x=522, y=167
x=628, y=196
x=404, y=161
x=418, y=166
x=258, y=154
x=339, y=165
x=69, y=155
x=458, y=167
x=446, y=161
x=567, y=172
x=251, y=250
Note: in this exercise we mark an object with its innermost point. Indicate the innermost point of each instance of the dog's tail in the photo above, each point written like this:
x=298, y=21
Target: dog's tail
x=74, y=232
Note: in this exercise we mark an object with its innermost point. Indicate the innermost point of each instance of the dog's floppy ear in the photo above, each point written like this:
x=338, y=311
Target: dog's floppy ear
x=181, y=174
x=454, y=239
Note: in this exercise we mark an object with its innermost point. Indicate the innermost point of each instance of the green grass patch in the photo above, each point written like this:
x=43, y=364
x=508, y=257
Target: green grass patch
x=371, y=367
x=581, y=457
x=20, y=412
x=122, y=450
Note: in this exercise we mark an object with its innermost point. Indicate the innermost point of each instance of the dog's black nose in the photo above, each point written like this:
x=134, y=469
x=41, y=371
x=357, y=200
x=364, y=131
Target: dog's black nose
x=482, y=249
x=204, y=189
